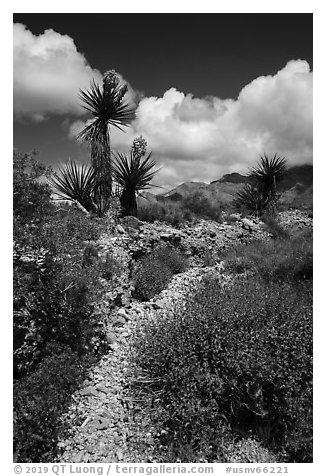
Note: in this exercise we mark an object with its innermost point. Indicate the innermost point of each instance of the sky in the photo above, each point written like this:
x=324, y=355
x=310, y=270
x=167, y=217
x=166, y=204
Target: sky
x=213, y=91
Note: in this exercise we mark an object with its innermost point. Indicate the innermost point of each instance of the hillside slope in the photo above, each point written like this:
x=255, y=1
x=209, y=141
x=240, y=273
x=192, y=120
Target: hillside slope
x=296, y=189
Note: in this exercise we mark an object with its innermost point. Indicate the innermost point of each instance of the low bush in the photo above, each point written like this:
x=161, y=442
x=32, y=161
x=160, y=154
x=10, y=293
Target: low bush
x=239, y=362
x=40, y=399
x=168, y=212
x=156, y=270
x=150, y=278
x=275, y=260
x=202, y=207
x=53, y=303
x=208, y=258
x=31, y=196
x=54, y=288
x=172, y=258
x=274, y=228
x=184, y=210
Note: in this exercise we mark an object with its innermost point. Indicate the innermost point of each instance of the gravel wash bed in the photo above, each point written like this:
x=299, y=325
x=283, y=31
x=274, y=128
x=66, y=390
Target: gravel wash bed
x=103, y=425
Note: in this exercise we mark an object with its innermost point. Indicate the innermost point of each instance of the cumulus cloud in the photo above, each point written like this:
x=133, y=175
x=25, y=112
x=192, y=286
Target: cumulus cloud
x=48, y=72
x=201, y=139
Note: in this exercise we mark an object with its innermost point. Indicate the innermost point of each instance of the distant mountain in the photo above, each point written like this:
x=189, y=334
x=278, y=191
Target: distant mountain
x=296, y=186
x=299, y=174
x=221, y=191
x=232, y=178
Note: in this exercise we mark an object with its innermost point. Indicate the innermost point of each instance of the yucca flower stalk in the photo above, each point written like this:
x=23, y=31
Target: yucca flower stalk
x=108, y=108
x=133, y=173
x=75, y=183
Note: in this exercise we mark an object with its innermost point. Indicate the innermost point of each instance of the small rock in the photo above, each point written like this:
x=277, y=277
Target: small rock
x=119, y=455
x=78, y=457
x=158, y=304
x=114, y=347
x=126, y=335
x=247, y=224
x=118, y=321
x=102, y=388
x=123, y=313
x=120, y=229
x=88, y=392
x=111, y=338
x=104, y=424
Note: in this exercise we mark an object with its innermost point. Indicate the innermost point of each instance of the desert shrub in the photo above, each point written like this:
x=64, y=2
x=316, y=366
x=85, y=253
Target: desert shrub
x=31, y=196
x=69, y=228
x=150, y=278
x=151, y=212
x=276, y=260
x=39, y=400
x=208, y=258
x=239, y=362
x=53, y=291
x=274, y=227
x=53, y=303
x=155, y=271
x=110, y=268
x=248, y=450
x=170, y=257
x=90, y=254
x=168, y=212
x=202, y=207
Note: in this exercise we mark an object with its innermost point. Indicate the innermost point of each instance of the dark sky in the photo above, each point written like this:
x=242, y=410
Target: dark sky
x=203, y=54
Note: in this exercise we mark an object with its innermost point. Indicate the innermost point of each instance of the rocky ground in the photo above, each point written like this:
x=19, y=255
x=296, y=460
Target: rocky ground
x=103, y=424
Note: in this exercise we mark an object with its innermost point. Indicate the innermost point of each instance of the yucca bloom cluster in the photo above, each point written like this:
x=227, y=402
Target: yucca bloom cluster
x=139, y=147
x=111, y=84
x=111, y=79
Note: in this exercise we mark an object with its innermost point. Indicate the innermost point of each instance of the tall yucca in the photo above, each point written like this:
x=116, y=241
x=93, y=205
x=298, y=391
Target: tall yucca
x=76, y=183
x=108, y=108
x=133, y=173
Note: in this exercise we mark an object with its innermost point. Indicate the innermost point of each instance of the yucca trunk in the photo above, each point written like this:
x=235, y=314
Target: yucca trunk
x=128, y=202
x=101, y=162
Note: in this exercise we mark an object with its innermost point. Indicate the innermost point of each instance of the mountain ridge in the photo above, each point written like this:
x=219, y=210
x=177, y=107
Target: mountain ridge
x=298, y=182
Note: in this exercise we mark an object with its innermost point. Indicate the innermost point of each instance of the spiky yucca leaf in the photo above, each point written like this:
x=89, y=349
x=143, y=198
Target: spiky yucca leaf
x=76, y=183
x=133, y=172
x=107, y=108
x=268, y=171
x=251, y=198
x=261, y=193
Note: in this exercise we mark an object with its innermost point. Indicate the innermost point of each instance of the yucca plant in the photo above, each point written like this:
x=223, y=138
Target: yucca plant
x=133, y=173
x=108, y=108
x=266, y=175
x=251, y=198
x=260, y=194
x=75, y=182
